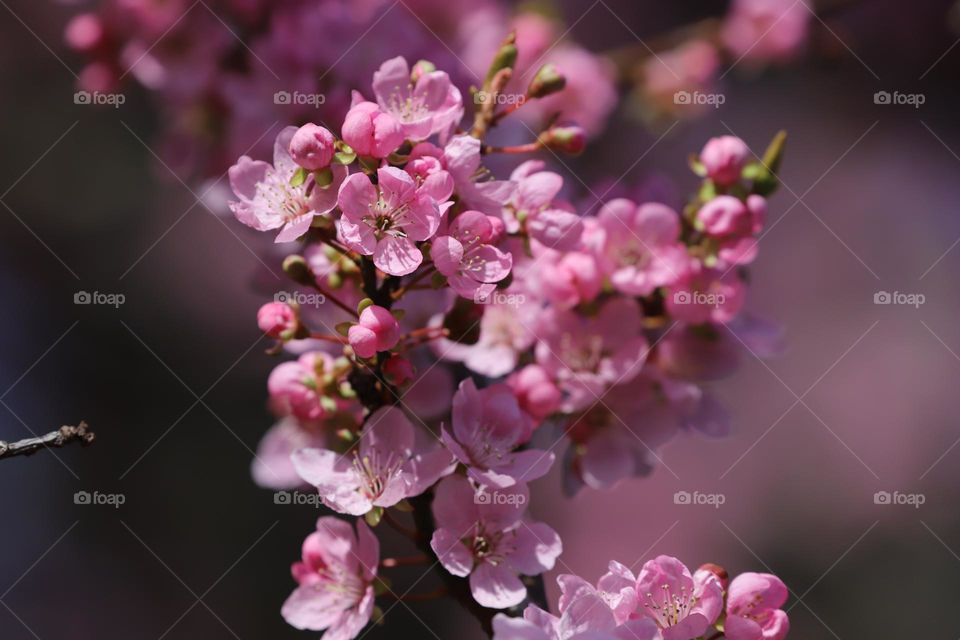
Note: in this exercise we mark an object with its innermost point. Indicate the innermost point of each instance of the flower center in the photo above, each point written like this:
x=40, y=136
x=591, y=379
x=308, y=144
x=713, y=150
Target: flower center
x=376, y=470
x=279, y=196
x=670, y=608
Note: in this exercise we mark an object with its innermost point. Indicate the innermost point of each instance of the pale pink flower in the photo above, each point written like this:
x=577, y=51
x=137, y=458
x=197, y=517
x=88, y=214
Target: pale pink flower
x=278, y=320
x=376, y=330
x=753, y=608
x=312, y=147
x=567, y=278
x=386, y=220
x=534, y=207
x=384, y=468
x=684, y=70
x=725, y=216
x=267, y=199
x=467, y=257
x=536, y=392
x=767, y=30
x=481, y=533
x=641, y=245
x=335, y=579
x=682, y=605
x=723, y=158
x=296, y=387
x=705, y=295
x=272, y=467
x=474, y=183
x=585, y=355
x=488, y=425
x=430, y=104
x=370, y=131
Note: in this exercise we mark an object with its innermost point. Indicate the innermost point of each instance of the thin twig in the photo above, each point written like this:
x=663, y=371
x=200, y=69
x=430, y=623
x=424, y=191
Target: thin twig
x=59, y=438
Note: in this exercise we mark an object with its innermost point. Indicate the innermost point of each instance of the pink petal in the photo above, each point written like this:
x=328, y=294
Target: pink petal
x=496, y=587
x=536, y=548
x=397, y=256
x=356, y=195
x=294, y=229
x=447, y=254
x=396, y=185
x=452, y=552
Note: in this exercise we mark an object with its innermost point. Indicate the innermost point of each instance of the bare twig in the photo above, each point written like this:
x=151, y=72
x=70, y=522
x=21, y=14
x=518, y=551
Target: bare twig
x=59, y=438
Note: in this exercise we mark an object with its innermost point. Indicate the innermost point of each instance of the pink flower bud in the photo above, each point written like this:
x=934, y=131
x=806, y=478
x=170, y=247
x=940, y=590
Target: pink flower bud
x=382, y=323
x=312, y=147
x=724, y=159
x=363, y=341
x=758, y=211
x=535, y=391
x=370, y=131
x=725, y=216
x=278, y=320
x=398, y=370
x=84, y=32
x=570, y=139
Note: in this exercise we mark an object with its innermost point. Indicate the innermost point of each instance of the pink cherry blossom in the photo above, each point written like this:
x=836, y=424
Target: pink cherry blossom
x=585, y=355
x=474, y=183
x=767, y=30
x=534, y=206
x=536, y=392
x=384, y=468
x=335, y=579
x=467, y=257
x=377, y=330
x=487, y=426
x=506, y=331
x=267, y=199
x=312, y=147
x=682, y=605
x=641, y=245
x=272, y=467
x=705, y=295
x=723, y=158
x=482, y=534
x=675, y=74
x=370, y=131
x=386, y=220
x=296, y=388
x=725, y=216
x=429, y=105
x=753, y=608
x=567, y=278
x=278, y=320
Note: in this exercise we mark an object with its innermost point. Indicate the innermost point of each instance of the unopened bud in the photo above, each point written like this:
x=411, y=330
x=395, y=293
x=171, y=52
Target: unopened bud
x=548, y=80
x=505, y=59
x=298, y=270
x=570, y=139
x=718, y=571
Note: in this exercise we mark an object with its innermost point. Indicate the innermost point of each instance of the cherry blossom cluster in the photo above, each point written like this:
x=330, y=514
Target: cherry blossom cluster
x=462, y=329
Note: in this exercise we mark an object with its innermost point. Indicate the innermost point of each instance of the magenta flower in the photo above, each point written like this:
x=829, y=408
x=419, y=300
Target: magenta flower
x=335, y=579
x=430, y=104
x=767, y=30
x=567, y=278
x=585, y=355
x=370, y=131
x=377, y=330
x=312, y=147
x=533, y=206
x=488, y=425
x=641, y=245
x=386, y=220
x=682, y=605
x=536, y=392
x=482, y=535
x=753, y=608
x=278, y=320
x=467, y=257
x=296, y=387
x=268, y=200
x=384, y=468
x=723, y=158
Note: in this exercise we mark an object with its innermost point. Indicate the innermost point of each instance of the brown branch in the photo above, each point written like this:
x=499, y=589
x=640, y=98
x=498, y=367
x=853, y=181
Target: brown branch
x=59, y=438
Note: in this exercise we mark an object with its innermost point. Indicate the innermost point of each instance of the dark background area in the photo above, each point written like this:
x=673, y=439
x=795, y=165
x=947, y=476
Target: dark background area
x=173, y=381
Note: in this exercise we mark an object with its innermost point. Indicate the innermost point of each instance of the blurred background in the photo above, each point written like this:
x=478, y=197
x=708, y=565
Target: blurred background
x=173, y=380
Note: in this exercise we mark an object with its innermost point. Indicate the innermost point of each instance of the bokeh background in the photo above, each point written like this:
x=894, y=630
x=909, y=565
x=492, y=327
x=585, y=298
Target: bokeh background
x=863, y=400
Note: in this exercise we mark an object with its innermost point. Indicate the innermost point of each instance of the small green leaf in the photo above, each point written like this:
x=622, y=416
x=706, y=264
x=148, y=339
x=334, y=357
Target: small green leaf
x=374, y=516
x=323, y=177
x=299, y=177
x=363, y=304
x=343, y=328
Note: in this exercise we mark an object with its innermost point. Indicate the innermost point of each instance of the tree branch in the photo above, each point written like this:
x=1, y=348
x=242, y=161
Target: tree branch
x=59, y=438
